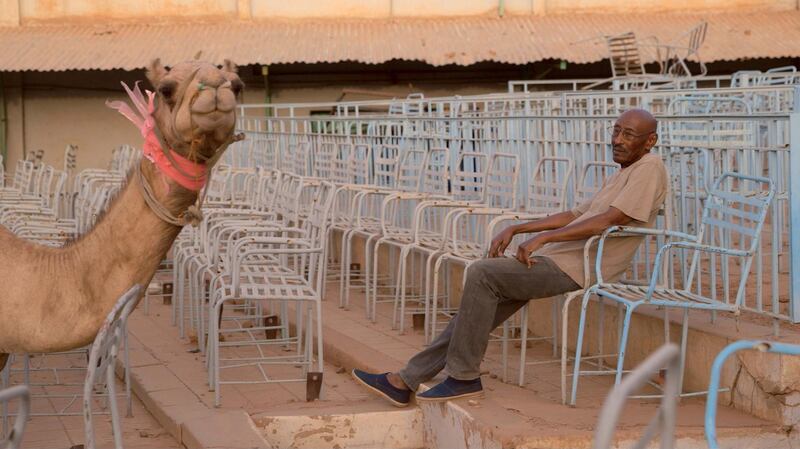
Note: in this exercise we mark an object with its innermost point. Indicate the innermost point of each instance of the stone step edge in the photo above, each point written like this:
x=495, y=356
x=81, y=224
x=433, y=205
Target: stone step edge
x=192, y=423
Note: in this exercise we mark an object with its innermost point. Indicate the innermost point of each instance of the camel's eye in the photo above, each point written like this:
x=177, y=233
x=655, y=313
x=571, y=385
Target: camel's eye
x=167, y=90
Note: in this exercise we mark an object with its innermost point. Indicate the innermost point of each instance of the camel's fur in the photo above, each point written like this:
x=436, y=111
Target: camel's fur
x=56, y=299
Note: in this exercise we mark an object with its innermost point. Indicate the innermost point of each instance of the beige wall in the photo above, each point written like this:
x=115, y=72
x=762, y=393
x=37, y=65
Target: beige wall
x=31, y=11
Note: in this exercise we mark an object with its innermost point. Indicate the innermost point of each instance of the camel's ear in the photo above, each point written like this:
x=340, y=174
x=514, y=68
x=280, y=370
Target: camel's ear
x=229, y=66
x=156, y=72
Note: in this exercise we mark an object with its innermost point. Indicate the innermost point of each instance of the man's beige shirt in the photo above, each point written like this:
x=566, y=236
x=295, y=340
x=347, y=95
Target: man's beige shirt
x=638, y=191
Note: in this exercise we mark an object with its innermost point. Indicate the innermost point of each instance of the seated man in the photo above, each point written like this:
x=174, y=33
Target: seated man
x=549, y=264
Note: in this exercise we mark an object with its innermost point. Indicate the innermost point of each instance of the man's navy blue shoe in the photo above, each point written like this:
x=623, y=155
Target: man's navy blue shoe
x=379, y=384
x=452, y=389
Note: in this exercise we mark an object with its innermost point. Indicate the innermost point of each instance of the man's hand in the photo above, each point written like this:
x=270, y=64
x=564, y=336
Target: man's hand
x=525, y=250
x=501, y=242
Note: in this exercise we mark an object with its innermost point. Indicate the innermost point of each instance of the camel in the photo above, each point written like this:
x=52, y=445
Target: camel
x=55, y=299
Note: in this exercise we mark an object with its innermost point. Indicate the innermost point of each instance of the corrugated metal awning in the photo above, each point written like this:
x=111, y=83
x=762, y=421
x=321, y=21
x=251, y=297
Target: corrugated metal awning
x=442, y=41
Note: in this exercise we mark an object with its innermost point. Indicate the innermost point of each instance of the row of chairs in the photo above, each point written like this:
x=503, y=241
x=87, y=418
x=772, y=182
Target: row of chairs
x=254, y=253
x=395, y=216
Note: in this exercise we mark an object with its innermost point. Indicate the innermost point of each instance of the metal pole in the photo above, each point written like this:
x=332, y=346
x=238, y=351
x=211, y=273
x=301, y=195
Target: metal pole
x=267, y=93
x=3, y=123
x=794, y=210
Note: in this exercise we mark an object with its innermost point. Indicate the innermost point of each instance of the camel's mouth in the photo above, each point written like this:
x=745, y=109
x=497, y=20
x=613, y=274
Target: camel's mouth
x=210, y=121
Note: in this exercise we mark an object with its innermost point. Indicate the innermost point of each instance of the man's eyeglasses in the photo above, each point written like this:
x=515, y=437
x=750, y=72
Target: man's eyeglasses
x=614, y=131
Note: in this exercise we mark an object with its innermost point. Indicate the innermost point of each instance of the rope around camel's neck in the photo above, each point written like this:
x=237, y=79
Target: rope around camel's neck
x=193, y=214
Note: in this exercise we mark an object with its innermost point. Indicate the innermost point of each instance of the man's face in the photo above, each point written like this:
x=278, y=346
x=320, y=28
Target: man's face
x=632, y=137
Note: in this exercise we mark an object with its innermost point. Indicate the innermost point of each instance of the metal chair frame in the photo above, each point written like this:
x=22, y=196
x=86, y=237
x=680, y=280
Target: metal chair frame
x=715, y=221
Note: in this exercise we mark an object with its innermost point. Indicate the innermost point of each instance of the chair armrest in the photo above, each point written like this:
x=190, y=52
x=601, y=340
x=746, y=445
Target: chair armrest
x=253, y=246
x=687, y=245
x=630, y=231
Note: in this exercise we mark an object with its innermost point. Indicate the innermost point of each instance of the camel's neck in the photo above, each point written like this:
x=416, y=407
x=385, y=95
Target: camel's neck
x=127, y=245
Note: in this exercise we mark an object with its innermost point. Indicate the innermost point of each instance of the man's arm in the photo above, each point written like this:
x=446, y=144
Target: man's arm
x=577, y=231
x=503, y=239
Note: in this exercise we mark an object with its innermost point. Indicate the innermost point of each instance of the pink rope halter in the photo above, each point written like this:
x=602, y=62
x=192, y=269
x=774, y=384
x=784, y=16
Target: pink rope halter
x=188, y=174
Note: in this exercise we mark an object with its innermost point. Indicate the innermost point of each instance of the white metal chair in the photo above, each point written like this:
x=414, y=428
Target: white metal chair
x=13, y=437
x=287, y=265
x=102, y=363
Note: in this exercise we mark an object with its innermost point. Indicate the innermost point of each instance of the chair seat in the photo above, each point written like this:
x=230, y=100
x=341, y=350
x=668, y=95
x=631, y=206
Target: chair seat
x=269, y=285
x=665, y=297
x=468, y=250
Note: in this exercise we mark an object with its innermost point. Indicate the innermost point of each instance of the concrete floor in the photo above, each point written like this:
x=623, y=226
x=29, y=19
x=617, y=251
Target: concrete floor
x=175, y=407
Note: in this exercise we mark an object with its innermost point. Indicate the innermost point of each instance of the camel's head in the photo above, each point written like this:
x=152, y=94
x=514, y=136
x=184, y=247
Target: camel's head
x=196, y=105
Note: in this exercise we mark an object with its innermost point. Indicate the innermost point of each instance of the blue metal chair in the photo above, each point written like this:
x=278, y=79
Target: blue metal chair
x=733, y=216
x=716, y=369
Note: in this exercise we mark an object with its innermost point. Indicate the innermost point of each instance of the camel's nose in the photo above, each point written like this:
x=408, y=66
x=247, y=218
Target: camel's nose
x=214, y=94
x=211, y=79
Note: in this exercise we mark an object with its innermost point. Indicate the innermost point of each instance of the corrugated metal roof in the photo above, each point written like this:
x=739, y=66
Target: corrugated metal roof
x=439, y=41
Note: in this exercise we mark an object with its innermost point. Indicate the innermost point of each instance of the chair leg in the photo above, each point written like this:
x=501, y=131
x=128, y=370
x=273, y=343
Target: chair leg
x=579, y=347
x=684, y=341
x=404, y=253
x=623, y=343
x=554, y=321
x=344, y=277
x=564, y=341
x=116, y=428
x=216, y=357
x=428, y=276
x=174, y=316
x=211, y=353
x=601, y=321
x=374, y=297
x=504, y=344
x=524, y=344
x=435, y=305
x=320, y=361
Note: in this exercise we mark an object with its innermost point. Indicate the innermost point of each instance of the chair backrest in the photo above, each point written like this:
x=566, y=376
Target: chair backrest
x=267, y=187
x=70, y=158
x=288, y=197
x=549, y=186
x=593, y=176
x=469, y=177
x=436, y=177
x=777, y=76
x=359, y=164
x=733, y=217
x=411, y=169
x=219, y=188
x=341, y=163
x=23, y=173
x=624, y=54
x=744, y=78
x=710, y=133
x=323, y=160
x=696, y=37
x=315, y=224
x=501, y=181
x=301, y=158
x=386, y=166
x=101, y=365
x=268, y=148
